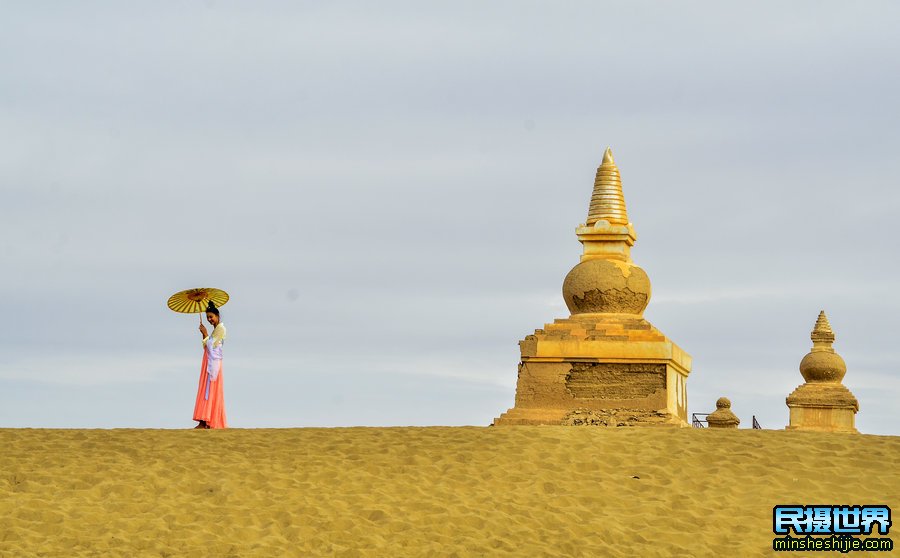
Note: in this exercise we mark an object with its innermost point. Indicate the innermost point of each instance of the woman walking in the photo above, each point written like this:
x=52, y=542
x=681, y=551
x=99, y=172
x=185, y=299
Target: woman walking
x=209, y=409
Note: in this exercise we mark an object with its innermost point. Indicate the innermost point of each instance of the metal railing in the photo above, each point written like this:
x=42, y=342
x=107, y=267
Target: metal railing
x=698, y=422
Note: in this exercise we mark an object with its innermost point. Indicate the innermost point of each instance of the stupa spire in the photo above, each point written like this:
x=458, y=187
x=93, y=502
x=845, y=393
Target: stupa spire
x=607, y=200
x=822, y=335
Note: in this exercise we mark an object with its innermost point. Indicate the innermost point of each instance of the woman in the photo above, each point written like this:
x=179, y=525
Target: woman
x=210, y=407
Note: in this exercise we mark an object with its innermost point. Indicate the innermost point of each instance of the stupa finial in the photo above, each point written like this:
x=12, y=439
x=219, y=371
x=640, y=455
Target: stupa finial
x=607, y=201
x=607, y=156
x=822, y=335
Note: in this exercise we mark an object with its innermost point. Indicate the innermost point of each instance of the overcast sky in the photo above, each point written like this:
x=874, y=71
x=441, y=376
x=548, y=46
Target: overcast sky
x=389, y=192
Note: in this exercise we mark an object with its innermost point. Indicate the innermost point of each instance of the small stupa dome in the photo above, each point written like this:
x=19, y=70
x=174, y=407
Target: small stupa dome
x=723, y=417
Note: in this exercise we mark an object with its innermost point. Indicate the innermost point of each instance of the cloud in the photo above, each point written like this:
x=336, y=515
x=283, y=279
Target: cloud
x=95, y=370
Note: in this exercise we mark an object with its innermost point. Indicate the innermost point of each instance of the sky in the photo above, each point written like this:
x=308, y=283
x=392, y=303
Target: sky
x=389, y=193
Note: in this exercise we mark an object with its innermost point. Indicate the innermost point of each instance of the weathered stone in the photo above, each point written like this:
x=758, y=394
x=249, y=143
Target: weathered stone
x=614, y=418
x=599, y=285
x=615, y=380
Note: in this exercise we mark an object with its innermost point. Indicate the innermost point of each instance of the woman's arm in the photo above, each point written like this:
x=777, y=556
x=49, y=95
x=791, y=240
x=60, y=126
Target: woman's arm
x=218, y=335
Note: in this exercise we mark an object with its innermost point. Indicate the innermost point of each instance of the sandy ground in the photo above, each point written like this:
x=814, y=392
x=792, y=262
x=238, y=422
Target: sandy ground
x=518, y=491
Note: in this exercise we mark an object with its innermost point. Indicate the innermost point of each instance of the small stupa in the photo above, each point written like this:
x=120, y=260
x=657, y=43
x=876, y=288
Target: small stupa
x=723, y=416
x=604, y=365
x=823, y=403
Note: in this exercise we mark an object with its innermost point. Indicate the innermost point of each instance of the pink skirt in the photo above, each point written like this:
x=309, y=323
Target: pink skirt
x=212, y=409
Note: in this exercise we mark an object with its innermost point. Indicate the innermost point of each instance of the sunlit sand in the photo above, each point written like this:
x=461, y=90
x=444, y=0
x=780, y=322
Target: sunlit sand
x=439, y=491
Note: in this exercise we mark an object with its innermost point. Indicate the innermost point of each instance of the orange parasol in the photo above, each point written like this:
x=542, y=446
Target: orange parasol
x=195, y=300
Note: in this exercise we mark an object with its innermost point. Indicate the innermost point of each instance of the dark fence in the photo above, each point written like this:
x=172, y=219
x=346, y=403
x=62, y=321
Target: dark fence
x=698, y=422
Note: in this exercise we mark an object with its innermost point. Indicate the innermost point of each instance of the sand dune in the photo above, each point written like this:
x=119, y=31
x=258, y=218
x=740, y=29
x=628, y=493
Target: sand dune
x=523, y=491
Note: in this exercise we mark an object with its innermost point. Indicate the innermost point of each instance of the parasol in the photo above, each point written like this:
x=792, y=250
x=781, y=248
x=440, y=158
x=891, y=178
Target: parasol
x=195, y=300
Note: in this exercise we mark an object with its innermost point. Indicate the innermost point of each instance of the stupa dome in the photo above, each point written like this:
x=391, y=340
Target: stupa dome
x=606, y=286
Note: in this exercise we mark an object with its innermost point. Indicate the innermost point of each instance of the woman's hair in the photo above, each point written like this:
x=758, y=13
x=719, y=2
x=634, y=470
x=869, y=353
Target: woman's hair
x=211, y=307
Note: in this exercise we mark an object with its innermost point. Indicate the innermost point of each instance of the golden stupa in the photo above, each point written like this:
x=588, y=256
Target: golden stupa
x=605, y=364
x=822, y=403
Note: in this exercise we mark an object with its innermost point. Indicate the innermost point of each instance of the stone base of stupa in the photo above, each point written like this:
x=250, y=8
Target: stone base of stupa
x=600, y=370
x=822, y=407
